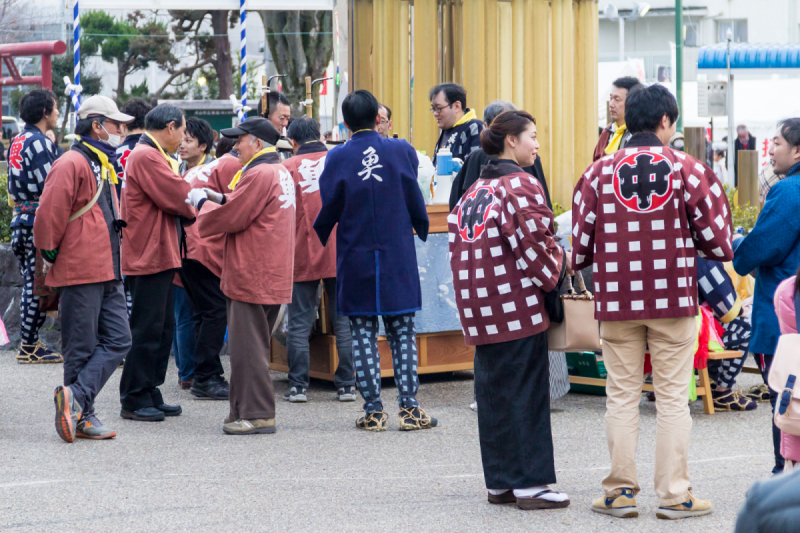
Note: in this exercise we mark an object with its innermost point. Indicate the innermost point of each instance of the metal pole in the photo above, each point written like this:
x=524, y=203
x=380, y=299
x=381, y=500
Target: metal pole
x=731, y=130
x=679, y=60
x=621, y=38
x=308, y=97
x=243, y=59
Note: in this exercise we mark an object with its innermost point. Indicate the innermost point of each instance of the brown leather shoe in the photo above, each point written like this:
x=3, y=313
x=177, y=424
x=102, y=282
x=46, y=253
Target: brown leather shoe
x=185, y=385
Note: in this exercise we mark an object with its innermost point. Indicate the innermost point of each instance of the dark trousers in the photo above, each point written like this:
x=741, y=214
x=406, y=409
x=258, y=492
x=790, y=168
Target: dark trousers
x=31, y=316
x=302, y=313
x=252, y=394
x=512, y=386
x=402, y=337
x=210, y=318
x=152, y=327
x=95, y=335
x=764, y=362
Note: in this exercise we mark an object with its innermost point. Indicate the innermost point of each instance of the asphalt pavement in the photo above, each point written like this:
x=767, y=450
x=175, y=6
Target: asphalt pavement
x=318, y=473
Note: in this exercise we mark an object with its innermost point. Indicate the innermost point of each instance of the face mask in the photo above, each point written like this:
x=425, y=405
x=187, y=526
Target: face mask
x=113, y=140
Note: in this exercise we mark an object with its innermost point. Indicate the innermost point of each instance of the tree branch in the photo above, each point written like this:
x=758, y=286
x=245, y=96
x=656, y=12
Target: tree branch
x=186, y=70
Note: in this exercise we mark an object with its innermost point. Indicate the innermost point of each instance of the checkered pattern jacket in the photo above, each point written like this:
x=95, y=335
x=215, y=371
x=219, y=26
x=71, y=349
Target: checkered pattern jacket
x=30, y=157
x=641, y=216
x=503, y=255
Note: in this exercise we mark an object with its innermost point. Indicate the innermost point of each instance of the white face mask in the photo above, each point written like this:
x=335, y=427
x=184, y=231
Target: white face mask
x=113, y=140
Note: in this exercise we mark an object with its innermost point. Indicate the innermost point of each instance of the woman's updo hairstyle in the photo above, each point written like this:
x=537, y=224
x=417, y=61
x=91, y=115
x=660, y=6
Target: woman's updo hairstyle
x=505, y=124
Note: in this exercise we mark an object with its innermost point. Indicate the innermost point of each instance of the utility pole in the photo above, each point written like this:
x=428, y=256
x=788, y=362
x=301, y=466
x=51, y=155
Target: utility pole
x=679, y=59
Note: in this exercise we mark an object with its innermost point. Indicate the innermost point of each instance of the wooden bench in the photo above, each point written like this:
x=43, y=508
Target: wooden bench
x=703, y=387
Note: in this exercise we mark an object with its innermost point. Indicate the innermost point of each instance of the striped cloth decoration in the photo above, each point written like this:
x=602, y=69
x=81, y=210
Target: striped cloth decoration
x=243, y=61
x=76, y=37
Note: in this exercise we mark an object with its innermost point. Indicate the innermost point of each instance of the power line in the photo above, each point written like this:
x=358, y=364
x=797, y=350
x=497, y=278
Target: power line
x=198, y=36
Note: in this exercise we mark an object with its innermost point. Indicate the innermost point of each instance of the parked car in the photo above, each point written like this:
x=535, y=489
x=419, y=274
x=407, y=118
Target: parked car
x=11, y=126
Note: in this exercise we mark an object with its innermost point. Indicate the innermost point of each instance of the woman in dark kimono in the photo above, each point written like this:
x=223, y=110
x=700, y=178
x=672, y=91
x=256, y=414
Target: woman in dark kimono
x=504, y=259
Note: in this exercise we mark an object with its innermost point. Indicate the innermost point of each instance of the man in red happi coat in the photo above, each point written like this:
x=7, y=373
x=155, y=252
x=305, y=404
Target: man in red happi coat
x=641, y=216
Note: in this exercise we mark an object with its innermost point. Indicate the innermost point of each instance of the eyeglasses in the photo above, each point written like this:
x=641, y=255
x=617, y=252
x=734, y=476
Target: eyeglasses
x=384, y=122
x=436, y=110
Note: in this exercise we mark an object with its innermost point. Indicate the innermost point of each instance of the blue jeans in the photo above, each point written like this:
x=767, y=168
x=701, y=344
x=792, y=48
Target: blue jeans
x=184, y=340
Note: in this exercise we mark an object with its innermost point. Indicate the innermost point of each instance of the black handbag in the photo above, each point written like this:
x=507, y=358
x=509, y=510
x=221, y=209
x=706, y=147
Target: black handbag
x=554, y=305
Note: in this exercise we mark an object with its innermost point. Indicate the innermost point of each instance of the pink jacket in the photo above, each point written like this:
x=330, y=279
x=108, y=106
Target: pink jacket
x=784, y=306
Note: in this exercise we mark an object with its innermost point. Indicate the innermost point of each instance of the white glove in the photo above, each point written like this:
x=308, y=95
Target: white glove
x=46, y=266
x=214, y=196
x=195, y=196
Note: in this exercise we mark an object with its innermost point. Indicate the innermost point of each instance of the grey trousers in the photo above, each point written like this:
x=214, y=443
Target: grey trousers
x=302, y=313
x=95, y=335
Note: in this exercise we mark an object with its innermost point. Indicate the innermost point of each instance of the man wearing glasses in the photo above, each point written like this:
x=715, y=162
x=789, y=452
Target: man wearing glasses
x=460, y=127
x=386, y=121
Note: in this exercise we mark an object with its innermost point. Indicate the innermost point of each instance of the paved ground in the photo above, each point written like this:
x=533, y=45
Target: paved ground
x=319, y=474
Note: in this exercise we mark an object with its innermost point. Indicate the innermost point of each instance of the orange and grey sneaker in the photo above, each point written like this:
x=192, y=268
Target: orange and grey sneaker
x=412, y=418
x=622, y=506
x=691, y=507
x=375, y=421
x=89, y=427
x=68, y=411
x=37, y=354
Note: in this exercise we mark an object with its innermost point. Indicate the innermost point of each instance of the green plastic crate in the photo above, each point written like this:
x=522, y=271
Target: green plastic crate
x=586, y=365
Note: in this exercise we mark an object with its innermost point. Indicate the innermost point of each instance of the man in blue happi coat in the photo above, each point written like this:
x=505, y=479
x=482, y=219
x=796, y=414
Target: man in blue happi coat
x=772, y=249
x=30, y=157
x=369, y=187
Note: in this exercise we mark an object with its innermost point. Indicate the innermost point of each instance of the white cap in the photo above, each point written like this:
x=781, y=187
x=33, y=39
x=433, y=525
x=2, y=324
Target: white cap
x=102, y=106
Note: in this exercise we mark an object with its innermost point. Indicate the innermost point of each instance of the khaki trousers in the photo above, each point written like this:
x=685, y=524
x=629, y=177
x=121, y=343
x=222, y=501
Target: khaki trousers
x=671, y=344
x=252, y=395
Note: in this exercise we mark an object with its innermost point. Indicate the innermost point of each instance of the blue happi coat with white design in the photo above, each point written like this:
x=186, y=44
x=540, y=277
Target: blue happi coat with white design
x=369, y=187
x=30, y=156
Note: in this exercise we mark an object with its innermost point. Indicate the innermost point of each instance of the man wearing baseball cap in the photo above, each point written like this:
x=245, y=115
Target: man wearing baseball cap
x=77, y=228
x=257, y=218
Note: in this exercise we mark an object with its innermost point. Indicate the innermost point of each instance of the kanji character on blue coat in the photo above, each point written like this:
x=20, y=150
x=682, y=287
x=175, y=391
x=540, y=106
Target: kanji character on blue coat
x=369, y=187
x=30, y=157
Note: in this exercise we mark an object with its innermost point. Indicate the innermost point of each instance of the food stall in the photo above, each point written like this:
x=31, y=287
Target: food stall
x=440, y=342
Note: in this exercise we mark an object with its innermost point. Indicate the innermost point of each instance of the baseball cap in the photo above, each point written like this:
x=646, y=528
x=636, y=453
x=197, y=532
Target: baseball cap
x=256, y=126
x=99, y=105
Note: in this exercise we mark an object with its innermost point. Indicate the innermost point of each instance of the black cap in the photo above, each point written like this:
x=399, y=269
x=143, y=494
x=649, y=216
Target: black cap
x=256, y=126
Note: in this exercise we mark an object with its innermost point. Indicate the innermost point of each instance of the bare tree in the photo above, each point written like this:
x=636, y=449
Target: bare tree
x=301, y=45
x=204, y=49
x=17, y=19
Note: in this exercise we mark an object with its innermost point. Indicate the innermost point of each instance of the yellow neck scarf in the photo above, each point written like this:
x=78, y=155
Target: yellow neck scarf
x=107, y=169
x=469, y=115
x=613, y=145
x=238, y=175
x=173, y=163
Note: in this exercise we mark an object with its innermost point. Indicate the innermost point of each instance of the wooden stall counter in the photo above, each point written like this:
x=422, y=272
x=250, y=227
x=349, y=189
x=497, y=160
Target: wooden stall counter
x=440, y=351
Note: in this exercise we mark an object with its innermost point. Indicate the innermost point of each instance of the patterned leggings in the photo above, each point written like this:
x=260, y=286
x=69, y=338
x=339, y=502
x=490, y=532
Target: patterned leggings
x=402, y=339
x=31, y=317
x=736, y=337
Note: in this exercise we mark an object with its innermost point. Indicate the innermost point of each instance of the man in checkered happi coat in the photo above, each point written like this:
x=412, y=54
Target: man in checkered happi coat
x=642, y=216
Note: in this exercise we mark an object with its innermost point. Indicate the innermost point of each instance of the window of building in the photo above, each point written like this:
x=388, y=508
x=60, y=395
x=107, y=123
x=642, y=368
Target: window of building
x=738, y=26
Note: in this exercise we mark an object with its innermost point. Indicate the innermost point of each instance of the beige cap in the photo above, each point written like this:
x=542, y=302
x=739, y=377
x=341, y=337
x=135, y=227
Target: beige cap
x=103, y=106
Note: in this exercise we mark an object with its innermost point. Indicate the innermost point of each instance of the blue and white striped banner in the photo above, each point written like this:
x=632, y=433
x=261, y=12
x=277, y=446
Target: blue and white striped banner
x=243, y=65
x=76, y=36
